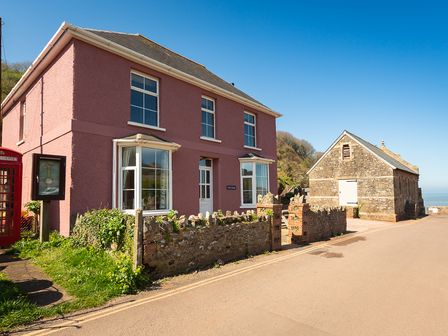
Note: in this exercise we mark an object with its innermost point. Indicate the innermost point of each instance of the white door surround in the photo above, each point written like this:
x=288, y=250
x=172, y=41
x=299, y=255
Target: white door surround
x=205, y=186
x=348, y=192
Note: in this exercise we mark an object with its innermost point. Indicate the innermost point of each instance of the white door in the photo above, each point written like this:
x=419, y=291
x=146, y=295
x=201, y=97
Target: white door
x=205, y=186
x=348, y=192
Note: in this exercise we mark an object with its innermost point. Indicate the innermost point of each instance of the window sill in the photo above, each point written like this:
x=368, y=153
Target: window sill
x=210, y=139
x=148, y=213
x=248, y=206
x=132, y=123
x=254, y=148
x=20, y=142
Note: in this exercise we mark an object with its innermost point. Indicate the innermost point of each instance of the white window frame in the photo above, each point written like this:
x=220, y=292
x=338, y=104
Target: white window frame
x=134, y=123
x=22, y=121
x=117, y=192
x=254, y=162
x=254, y=125
x=214, y=117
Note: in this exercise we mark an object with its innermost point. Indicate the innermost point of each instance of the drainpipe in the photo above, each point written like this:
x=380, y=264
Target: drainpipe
x=41, y=113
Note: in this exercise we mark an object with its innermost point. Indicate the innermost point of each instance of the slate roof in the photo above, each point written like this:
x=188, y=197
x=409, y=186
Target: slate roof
x=146, y=47
x=381, y=154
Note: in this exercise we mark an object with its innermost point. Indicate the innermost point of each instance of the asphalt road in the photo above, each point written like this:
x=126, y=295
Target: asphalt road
x=387, y=279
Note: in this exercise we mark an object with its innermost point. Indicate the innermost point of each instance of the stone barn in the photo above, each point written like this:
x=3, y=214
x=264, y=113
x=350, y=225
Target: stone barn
x=376, y=182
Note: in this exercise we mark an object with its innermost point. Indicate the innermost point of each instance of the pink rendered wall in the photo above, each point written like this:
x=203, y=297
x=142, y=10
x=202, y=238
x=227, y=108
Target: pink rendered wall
x=86, y=98
x=101, y=113
x=55, y=88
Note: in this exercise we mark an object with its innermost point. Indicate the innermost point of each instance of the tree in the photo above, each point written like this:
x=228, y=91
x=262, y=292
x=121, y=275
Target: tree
x=11, y=73
x=294, y=158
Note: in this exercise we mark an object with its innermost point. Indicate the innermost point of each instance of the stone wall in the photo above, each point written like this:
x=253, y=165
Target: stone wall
x=175, y=246
x=408, y=198
x=438, y=210
x=308, y=224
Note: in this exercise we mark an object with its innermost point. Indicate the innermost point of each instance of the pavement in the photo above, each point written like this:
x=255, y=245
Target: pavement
x=383, y=279
x=31, y=280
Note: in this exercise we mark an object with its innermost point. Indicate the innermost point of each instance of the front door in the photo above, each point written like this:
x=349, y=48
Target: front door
x=205, y=186
x=348, y=192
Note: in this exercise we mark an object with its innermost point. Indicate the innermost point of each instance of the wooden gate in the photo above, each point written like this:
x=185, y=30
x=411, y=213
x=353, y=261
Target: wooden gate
x=10, y=196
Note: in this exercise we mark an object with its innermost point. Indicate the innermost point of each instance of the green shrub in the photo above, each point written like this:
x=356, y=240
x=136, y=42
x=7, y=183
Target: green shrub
x=104, y=229
x=124, y=275
x=33, y=206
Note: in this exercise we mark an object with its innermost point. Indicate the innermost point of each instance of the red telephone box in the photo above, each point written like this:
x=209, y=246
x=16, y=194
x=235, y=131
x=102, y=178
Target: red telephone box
x=10, y=196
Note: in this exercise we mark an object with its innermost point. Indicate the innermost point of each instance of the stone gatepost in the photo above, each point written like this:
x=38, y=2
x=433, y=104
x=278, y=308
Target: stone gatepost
x=137, y=253
x=267, y=206
x=296, y=210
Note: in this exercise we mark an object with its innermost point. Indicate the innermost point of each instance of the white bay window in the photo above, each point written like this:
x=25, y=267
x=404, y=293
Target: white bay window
x=254, y=173
x=144, y=178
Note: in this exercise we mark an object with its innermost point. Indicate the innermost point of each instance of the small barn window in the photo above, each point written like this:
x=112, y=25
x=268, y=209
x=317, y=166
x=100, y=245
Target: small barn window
x=346, y=152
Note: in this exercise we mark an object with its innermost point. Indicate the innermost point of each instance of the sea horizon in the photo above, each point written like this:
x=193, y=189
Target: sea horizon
x=435, y=198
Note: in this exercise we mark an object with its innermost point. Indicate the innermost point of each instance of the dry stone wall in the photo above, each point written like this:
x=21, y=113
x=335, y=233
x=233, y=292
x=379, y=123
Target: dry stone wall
x=184, y=245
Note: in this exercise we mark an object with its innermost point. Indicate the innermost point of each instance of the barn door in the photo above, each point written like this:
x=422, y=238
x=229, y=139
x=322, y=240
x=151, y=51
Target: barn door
x=348, y=192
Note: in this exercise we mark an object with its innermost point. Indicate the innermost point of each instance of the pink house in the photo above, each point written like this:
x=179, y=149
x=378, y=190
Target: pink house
x=141, y=127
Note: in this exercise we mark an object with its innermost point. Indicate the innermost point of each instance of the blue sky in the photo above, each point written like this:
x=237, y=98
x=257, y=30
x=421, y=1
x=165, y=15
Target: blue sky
x=376, y=68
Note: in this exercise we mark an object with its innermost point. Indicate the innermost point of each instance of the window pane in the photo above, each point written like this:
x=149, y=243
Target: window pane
x=128, y=157
x=247, y=169
x=150, y=85
x=204, y=130
x=210, y=105
x=151, y=102
x=136, y=98
x=262, y=169
x=137, y=81
x=211, y=119
x=203, y=191
x=149, y=199
x=128, y=200
x=148, y=178
x=128, y=179
x=247, y=197
x=151, y=118
x=137, y=114
x=208, y=191
x=162, y=159
x=249, y=130
x=210, y=131
x=249, y=118
x=161, y=199
x=161, y=179
x=148, y=157
x=249, y=140
x=247, y=184
x=204, y=117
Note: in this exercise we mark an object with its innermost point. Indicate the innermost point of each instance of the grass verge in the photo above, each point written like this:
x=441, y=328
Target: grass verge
x=90, y=276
